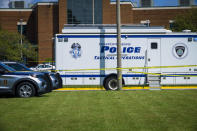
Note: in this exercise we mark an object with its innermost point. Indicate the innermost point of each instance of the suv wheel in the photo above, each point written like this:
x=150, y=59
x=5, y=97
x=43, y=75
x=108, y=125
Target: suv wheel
x=25, y=89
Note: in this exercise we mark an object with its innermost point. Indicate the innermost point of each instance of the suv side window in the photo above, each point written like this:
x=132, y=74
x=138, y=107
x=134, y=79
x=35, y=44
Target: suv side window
x=41, y=66
x=48, y=66
x=1, y=68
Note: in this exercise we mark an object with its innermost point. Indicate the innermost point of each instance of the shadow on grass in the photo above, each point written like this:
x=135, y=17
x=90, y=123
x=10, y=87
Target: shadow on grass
x=7, y=96
x=12, y=96
x=41, y=96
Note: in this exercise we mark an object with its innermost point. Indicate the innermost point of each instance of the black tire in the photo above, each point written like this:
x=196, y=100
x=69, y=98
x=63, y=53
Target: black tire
x=111, y=83
x=25, y=90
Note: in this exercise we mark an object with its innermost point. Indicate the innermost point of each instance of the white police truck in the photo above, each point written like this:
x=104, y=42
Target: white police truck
x=151, y=56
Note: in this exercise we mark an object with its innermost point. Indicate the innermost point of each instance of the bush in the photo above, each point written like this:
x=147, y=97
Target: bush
x=11, y=48
x=186, y=21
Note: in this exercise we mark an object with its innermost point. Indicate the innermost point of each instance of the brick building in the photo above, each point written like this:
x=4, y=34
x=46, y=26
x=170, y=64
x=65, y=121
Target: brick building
x=44, y=20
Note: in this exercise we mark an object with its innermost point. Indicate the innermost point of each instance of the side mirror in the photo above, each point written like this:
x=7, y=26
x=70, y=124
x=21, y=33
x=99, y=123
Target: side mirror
x=2, y=71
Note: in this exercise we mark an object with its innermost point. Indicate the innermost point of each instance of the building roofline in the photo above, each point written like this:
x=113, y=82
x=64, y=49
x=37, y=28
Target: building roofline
x=47, y=3
x=11, y=9
x=44, y=3
x=124, y=2
x=153, y=7
x=163, y=7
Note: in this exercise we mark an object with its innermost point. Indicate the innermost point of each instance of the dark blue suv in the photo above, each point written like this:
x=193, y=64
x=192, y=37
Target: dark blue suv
x=55, y=78
x=23, y=83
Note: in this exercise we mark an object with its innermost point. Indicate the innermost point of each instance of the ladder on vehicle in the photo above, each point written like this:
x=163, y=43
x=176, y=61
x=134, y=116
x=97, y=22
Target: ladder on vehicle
x=154, y=82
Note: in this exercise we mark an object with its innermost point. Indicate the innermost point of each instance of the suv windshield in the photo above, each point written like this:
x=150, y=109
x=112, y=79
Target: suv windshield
x=7, y=67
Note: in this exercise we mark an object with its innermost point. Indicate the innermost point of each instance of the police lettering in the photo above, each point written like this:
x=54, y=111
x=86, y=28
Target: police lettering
x=124, y=49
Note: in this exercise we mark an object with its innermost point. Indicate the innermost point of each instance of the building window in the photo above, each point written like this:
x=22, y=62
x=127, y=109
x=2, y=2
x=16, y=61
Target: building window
x=84, y=11
x=184, y=2
x=22, y=26
x=146, y=3
x=17, y=4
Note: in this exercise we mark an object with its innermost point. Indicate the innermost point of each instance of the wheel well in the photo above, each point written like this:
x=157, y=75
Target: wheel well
x=111, y=75
x=15, y=86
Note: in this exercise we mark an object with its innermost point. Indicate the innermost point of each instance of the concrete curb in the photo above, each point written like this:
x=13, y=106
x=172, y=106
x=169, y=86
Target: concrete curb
x=131, y=88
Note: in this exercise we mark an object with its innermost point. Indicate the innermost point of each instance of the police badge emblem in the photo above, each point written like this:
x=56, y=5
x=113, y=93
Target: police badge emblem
x=180, y=50
x=76, y=50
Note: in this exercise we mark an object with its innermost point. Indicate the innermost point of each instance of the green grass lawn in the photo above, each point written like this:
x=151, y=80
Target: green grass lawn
x=166, y=110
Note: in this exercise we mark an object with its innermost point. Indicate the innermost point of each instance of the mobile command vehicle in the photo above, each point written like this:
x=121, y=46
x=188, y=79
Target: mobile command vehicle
x=151, y=56
x=23, y=84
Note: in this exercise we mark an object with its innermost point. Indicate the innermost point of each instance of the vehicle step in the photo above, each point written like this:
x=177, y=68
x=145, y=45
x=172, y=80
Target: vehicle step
x=153, y=78
x=154, y=82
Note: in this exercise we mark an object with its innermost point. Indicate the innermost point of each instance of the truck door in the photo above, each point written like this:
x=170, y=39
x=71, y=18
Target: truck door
x=154, y=55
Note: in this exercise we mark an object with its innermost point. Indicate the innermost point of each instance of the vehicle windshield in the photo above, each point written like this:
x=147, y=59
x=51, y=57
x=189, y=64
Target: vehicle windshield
x=18, y=67
x=7, y=67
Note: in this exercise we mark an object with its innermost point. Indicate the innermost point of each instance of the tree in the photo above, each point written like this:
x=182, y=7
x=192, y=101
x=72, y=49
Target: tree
x=10, y=47
x=186, y=21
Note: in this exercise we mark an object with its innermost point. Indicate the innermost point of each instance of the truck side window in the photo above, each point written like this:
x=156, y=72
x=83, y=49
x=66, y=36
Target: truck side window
x=60, y=39
x=154, y=45
x=65, y=39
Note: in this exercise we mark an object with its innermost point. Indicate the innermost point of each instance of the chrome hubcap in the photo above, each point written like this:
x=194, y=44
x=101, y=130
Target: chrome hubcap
x=113, y=84
x=25, y=91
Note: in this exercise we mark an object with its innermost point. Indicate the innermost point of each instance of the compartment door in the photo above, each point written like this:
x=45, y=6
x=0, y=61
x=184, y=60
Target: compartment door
x=154, y=55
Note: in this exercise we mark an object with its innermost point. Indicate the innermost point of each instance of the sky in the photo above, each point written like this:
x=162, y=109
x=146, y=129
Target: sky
x=4, y=3
x=166, y=2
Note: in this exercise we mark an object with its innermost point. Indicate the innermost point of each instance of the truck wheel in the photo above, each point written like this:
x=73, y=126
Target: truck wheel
x=111, y=83
x=25, y=89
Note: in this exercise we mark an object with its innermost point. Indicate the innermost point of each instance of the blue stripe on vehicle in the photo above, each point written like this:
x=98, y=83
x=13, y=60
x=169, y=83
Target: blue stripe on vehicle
x=83, y=75
x=125, y=36
x=131, y=75
x=179, y=75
